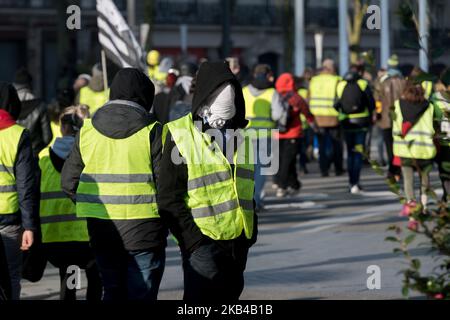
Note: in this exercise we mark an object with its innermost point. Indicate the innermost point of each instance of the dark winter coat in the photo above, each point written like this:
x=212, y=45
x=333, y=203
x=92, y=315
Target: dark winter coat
x=173, y=188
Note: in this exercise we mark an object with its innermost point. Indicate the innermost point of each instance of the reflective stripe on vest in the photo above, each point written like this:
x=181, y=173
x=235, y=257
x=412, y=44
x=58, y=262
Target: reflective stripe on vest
x=322, y=93
x=93, y=99
x=258, y=110
x=362, y=84
x=59, y=222
x=418, y=142
x=9, y=142
x=117, y=180
x=221, y=200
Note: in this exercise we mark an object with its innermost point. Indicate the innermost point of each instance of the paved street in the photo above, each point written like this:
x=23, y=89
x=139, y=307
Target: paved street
x=316, y=245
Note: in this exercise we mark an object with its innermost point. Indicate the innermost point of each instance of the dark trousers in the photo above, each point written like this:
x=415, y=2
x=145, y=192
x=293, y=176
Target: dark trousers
x=130, y=275
x=355, y=141
x=214, y=272
x=287, y=172
x=330, y=149
x=65, y=254
x=389, y=142
x=305, y=142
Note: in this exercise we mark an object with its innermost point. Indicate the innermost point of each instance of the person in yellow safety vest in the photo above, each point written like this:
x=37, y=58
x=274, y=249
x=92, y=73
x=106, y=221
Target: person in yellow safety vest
x=322, y=97
x=94, y=95
x=64, y=236
x=207, y=190
x=111, y=174
x=413, y=134
x=356, y=106
x=427, y=85
x=18, y=185
x=259, y=97
x=154, y=72
x=441, y=101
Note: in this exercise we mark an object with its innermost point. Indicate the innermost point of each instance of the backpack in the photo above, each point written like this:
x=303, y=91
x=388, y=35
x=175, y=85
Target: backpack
x=285, y=118
x=352, y=100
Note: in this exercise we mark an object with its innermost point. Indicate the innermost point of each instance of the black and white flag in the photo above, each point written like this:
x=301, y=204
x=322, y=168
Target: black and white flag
x=116, y=37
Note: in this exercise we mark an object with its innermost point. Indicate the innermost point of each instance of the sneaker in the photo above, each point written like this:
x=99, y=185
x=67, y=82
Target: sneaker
x=408, y=208
x=281, y=193
x=274, y=186
x=355, y=189
x=291, y=191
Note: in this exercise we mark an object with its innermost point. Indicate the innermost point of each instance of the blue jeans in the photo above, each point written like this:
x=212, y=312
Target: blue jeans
x=262, y=149
x=131, y=275
x=355, y=141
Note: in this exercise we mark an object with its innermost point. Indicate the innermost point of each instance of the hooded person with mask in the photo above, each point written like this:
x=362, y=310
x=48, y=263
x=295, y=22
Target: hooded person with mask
x=111, y=174
x=18, y=186
x=207, y=192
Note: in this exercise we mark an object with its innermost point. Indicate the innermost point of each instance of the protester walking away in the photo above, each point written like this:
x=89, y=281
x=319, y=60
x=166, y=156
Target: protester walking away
x=289, y=137
x=64, y=236
x=391, y=88
x=356, y=106
x=80, y=82
x=64, y=99
x=94, y=95
x=153, y=59
x=178, y=102
x=208, y=198
x=111, y=173
x=419, y=76
x=33, y=115
x=161, y=102
x=441, y=101
x=413, y=134
x=259, y=97
x=19, y=218
x=322, y=97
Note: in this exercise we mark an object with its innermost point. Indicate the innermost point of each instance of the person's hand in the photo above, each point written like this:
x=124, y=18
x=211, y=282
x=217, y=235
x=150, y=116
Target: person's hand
x=27, y=240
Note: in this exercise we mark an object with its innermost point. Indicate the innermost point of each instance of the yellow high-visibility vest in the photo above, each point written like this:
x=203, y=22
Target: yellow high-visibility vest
x=94, y=100
x=9, y=143
x=428, y=87
x=258, y=110
x=220, y=198
x=59, y=222
x=322, y=95
x=418, y=142
x=117, y=180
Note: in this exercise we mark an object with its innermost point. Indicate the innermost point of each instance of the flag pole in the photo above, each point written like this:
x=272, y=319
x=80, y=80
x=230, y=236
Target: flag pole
x=105, y=72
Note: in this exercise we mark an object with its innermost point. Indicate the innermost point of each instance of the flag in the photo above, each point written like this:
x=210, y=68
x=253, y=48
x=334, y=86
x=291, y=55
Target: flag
x=116, y=37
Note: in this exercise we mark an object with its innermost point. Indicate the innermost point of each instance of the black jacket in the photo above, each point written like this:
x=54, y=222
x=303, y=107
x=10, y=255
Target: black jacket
x=34, y=117
x=118, y=120
x=173, y=188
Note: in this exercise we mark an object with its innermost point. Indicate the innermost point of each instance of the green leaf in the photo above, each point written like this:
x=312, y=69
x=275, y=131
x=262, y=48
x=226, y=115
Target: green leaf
x=416, y=264
x=409, y=239
x=405, y=291
x=393, y=239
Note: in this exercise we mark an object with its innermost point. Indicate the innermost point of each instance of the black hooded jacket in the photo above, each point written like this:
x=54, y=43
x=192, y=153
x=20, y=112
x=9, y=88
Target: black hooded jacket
x=25, y=168
x=119, y=119
x=173, y=188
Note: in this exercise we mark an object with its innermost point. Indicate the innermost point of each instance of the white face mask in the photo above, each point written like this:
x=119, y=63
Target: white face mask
x=219, y=107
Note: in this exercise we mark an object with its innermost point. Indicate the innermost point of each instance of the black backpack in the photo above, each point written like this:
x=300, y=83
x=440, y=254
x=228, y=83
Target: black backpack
x=352, y=100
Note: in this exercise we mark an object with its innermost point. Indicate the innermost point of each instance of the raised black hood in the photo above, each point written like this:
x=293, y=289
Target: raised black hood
x=211, y=76
x=127, y=112
x=9, y=100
